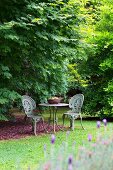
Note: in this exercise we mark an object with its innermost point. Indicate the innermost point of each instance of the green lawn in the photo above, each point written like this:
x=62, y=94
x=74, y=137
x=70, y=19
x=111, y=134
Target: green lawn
x=28, y=152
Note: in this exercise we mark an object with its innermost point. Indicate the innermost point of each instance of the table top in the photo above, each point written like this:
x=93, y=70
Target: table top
x=55, y=105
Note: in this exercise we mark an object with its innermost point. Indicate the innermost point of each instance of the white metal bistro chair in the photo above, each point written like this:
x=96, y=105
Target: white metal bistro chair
x=29, y=106
x=75, y=104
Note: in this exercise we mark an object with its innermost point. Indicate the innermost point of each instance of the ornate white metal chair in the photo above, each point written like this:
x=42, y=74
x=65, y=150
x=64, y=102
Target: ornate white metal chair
x=75, y=104
x=29, y=106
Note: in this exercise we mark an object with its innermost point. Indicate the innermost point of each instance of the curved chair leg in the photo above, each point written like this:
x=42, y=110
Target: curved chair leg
x=35, y=127
x=81, y=122
x=63, y=118
x=25, y=118
x=72, y=123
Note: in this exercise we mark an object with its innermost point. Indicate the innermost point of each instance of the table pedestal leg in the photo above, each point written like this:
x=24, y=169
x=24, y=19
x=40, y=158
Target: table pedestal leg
x=53, y=112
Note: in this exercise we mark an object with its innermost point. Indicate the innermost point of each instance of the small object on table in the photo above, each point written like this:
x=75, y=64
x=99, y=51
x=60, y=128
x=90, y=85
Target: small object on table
x=54, y=100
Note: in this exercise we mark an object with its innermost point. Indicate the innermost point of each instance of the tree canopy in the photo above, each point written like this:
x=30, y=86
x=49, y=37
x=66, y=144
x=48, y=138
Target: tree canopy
x=98, y=68
x=38, y=38
x=48, y=47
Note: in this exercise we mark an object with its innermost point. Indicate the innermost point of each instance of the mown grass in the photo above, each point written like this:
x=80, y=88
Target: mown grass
x=28, y=152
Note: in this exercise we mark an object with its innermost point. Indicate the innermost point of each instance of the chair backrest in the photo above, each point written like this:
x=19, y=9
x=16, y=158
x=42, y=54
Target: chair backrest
x=29, y=98
x=76, y=102
x=28, y=104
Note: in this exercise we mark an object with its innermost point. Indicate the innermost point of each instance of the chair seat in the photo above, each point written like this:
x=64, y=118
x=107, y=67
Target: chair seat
x=35, y=116
x=36, y=113
x=72, y=114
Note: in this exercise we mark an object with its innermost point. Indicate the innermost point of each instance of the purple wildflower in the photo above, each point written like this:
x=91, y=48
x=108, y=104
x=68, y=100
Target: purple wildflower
x=98, y=124
x=70, y=160
x=70, y=167
x=89, y=137
x=105, y=122
x=52, y=139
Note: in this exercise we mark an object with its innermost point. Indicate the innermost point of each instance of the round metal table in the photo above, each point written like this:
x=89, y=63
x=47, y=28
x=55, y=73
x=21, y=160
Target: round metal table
x=53, y=111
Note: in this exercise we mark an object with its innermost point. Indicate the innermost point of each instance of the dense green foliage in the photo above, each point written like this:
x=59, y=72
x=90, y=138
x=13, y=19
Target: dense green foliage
x=98, y=68
x=49, y=47
x=36, y=40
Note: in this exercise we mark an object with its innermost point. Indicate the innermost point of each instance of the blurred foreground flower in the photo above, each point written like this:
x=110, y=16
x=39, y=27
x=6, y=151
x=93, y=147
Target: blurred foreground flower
x=89, y=137
x=98, y=124
x=105, y=122
x=98, y=155
x=47, y=166
x=52, y=139
x=70, y=160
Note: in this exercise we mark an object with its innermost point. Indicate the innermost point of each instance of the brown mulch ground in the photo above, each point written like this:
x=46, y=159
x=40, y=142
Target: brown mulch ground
x=21, y=129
